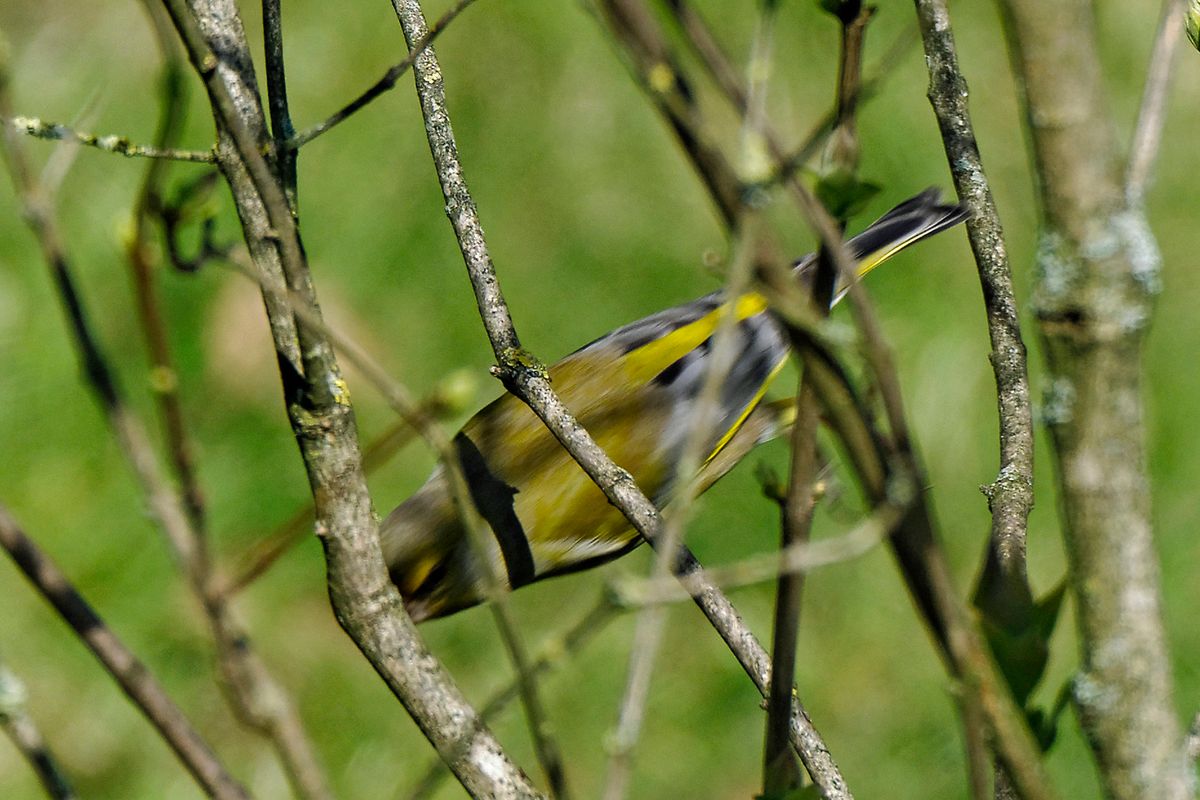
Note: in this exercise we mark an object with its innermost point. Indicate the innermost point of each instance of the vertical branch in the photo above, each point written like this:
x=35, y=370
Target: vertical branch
x=1003, y=593
x=1010, y=496
x=364, y=600
x=702, y=419
x=277, y=100
x=780, y=774
x=1099, y=269
x=139, y=253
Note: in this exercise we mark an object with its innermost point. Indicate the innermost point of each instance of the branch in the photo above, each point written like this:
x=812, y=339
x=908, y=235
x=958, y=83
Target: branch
x=883, y=466
x=26, y=737
x=1098, y=267
x=1010, y=496
x=365, y=602
x=131, y=675
x=448, y=398
x=700, y=425
x=140, y=256
x=53, y=131
x=798, y=557
x=1003, y=593
x=384, y=84
x=1152, y=116
x=554, y=653
x=255, y=696
x=526, y=379
x=799, y=504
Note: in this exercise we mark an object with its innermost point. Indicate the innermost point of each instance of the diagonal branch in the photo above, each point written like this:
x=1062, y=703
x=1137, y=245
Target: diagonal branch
x=526, y=379
x=384, y=84
x=131, y=675
x=27, y=738
x=884, y=466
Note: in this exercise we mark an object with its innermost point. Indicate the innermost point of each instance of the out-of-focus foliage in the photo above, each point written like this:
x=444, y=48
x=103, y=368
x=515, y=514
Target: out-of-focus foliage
x=594, y=219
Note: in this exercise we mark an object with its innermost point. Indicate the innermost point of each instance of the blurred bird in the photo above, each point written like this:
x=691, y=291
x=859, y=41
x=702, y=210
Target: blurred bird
x=635, y=390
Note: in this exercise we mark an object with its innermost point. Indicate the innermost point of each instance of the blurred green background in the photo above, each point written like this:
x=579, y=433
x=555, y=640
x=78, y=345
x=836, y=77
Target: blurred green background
x=594, y=219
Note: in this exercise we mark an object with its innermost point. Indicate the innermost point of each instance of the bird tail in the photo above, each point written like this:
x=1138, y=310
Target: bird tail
x=909, y=222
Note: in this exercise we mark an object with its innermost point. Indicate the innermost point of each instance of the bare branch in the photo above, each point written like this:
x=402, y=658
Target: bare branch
x=53, y=131
x=365, y=602
x=384, y=84
x=701, y=422
x=1152, y=116
x=277, y=100
x=26, y=737
x=882, y=466
x=802, y=556
x=553, y=653
x=447, y=398
x=780, y=773
x=526, y=379
x=1098, y=267
x=134, y=677
x=1003, y=586
x=1010, y=496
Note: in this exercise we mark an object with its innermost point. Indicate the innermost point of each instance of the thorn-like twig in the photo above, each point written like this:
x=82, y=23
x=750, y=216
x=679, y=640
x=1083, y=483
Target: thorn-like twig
x=53, y=131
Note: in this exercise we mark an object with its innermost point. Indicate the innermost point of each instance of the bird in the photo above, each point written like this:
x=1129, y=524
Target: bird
x=635, y=390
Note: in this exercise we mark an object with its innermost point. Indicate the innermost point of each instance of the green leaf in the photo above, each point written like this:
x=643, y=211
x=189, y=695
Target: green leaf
x=1044, y=724
x=1046, y=610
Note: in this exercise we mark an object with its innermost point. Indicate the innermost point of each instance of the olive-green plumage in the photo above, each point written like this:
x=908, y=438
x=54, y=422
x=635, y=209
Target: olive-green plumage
x=634, y=390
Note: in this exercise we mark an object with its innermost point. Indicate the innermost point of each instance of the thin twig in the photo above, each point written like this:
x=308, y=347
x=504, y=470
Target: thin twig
x=882, y=469
x=25, y=736
x=779, y=770
x=553, y=653
x=39, y=129
x=1010, y=496
x=1152, y=116
x=798, y=557
x=717, y=64
x=545, y=740
x=139, y=254
x=1003, y=590
x=704, y=417
x=277, y=99
x=134, y=677
x=384, y=84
